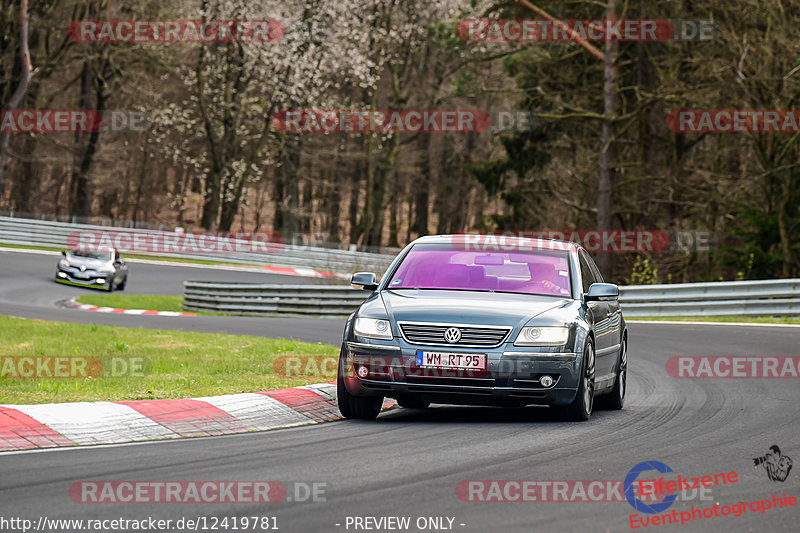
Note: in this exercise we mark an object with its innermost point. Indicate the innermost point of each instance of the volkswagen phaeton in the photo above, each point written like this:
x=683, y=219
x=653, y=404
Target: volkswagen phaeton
x=530, y=322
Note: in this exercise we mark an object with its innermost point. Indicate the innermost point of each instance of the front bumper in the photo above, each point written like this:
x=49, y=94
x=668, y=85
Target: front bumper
x=513, y=376
x=89, y=278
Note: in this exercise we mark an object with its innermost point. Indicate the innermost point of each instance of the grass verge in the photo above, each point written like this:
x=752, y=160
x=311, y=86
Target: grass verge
x=143, y=364
x=749, y=319
x=151, y=302
x=148, y=302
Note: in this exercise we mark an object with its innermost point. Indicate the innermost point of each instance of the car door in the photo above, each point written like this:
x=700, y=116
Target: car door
x=599, y=311
x=613, y=331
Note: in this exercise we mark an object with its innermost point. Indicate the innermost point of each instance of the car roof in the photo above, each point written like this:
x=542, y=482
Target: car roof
x=506, y=240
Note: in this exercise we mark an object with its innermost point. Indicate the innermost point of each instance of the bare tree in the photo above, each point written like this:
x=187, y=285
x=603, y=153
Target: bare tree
x=22, y=87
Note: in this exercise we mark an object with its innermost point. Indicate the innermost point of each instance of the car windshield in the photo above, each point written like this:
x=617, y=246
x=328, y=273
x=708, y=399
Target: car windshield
x=439, y=266
x=102, y=256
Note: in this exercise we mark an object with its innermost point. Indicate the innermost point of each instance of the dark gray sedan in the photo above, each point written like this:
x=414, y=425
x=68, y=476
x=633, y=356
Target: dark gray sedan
x=459, y=322
x=101, y=269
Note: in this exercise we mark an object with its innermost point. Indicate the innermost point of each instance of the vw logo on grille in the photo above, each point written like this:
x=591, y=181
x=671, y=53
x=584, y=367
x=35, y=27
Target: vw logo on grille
x=452, y=335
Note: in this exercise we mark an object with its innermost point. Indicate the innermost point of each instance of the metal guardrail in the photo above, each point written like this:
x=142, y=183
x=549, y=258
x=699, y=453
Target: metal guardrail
x=765, y=297
x=760, y=297
x=260, y=299
x=54, y=234
x=768, y=297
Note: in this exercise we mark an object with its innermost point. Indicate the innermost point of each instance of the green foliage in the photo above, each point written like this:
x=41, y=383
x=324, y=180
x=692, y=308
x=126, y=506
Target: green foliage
x=643, y=273
x=121, y=346
x=753, y=247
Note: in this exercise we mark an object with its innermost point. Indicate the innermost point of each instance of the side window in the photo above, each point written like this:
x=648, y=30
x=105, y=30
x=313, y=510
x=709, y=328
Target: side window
x=587, y=275
x=598, y=277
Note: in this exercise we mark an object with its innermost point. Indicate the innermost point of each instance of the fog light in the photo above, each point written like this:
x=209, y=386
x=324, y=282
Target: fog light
x=546, y=381
x=101, y=280
x=363, y=371
x=62, y=275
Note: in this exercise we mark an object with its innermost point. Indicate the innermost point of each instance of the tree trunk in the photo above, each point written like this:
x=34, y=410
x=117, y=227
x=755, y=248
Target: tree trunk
x=27, y=181
x=306, y=208
x=332, y=198
x=355, y=192
x=394, y=212
x=383, y=175
x=287, y=200
x=605, y=177
x=91, y=83
x=24, y=82
x=422, y=196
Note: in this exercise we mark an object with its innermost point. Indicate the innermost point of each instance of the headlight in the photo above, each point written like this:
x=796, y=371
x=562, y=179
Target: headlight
x=542, y=336
x=63, y=263
x=374, y=328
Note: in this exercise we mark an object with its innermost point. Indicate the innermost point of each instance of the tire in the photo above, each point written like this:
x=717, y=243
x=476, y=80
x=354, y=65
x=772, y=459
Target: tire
x=412, y=403
x=615, y=399
x=110, y=287
x=356, y=407
x=580, y=409
x=121, y=286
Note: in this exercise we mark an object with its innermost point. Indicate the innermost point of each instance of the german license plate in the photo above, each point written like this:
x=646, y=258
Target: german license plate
x=473, y=361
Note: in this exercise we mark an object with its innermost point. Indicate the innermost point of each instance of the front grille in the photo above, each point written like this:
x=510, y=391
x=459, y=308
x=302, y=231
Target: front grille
x=433, y=334
x=76, y=273
x=451, y=382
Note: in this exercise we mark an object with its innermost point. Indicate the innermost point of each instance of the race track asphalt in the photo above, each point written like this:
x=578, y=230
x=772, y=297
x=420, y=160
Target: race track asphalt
x=409, y=463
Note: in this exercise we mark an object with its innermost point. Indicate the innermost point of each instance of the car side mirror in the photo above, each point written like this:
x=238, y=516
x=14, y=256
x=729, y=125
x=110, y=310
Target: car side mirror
x=63, y=254
x=364, y=280
x=602, y=292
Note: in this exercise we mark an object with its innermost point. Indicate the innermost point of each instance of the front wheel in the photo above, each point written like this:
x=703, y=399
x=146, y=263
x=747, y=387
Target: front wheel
x=581, y=407
x=616, y=398
x=358, y=407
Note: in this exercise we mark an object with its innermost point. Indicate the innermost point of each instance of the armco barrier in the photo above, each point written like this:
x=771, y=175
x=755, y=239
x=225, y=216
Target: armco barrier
x=260, y=299
x=769, y=297
x=761, y=297
x=46, y=233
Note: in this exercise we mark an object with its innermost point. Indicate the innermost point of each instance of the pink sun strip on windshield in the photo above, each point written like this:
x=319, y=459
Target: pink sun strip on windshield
x=426, y=268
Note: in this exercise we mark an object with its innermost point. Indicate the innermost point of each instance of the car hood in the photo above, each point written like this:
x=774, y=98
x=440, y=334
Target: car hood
x=86, y=261
x=466, y=307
